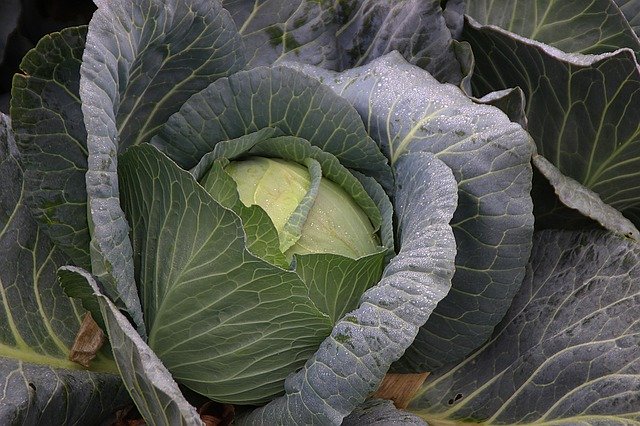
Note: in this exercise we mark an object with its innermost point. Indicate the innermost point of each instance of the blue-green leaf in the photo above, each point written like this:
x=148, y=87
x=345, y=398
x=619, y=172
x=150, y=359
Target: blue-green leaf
x=344, y=34
x=576, y=196
x=568, y=350
x=595, y=26
x=381, y=412
x=279, y=98
x=149, y=383
x=407, y=111
x=631, y=10
x=47, y=120
x=38, y=322
x=582, y=110
x=510, y=101
x=142, y=61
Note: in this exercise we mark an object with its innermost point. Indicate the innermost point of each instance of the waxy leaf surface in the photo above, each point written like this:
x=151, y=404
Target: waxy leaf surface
x=47, y=120
x=134, y=74
x=582, y=110
x=567, y=352
x=341, y=35
x=408, y=111
x=38, y=322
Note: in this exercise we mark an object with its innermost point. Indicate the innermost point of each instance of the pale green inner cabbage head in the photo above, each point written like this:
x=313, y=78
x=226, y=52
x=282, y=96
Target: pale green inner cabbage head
x=335, y=224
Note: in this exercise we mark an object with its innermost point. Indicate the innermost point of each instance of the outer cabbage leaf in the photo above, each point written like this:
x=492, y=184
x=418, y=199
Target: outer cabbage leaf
x=631, y=10
x=153, y=390
x=213, y=309
x=510, y=101
x=47, y=120
x=352, y=362
x=568, y=350
x=381, y=412
x=280, y=98
x=163, y=51
x=582, y=110
x=142, y=61
x=576, y=196
x=588, y=27
x=38, y=322
x=407, y=110
x=338, y=35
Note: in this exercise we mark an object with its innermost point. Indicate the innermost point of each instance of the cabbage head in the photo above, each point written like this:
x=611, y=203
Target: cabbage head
x=329, y=220
x=246, y=262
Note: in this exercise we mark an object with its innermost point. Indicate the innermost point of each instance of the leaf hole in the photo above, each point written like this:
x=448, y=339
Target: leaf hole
x=33, y=387
x=455, y=399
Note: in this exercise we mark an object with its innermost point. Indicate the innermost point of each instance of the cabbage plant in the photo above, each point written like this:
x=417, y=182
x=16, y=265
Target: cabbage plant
x=274, y=204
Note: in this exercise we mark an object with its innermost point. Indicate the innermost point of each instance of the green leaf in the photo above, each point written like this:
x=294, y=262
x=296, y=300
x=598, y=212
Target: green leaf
x=588, y=27
x=231, y=149
x=467, y=61
x=201, y=288
x=261, y=235
x=381, y=412
x=567, y=352
x=381, y=199
x=344, y=34
x=582, y=110
x=40, y=394
x=272, y=29
x=38, y=322
x=280, y=98
x=352, y=362
x=577, y=197
x=74, y=282
x=164, y=51
x=50, y=133
x=336, y=282
x=142, y=61
x=153, y=390
x=408, y=111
